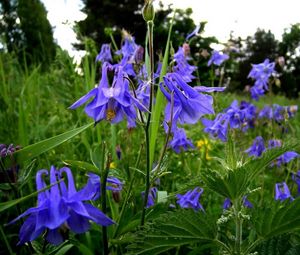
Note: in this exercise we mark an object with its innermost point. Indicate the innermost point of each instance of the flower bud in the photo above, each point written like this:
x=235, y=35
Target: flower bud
x=148, y=11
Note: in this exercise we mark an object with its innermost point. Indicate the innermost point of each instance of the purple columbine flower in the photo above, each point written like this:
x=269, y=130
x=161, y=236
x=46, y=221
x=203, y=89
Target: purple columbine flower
x=273, y=143
x=195, y=32
x=105, y=54
x=266, y=112
x=191, y=199
x=217, y=58
x=113, y=102
x=218, y=127
x=128, y=51
x=261, y=74
x=296, y=179
x=227, y=203
x=286, y=158
x=182, y=67
x=180, y=141
x=59, y=209
x=151, y=197
x=8, y=150
x=282, y=192
x=257, y=148
x=93, y=187
x=189, y=105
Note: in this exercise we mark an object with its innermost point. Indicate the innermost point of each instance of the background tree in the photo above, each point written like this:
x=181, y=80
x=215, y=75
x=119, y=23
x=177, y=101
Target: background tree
x=257, y=48
x=26, y=30
x=289, y=47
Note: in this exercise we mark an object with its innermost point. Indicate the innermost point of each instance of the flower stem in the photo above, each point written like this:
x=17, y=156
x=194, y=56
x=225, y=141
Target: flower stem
x=147, y=127
x=238, y=227
x=103, y=202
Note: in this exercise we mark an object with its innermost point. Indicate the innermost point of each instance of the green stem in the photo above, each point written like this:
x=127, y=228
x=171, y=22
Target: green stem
x=238, y=227
x=147, y=127
x=6, y=241
x=103, y=203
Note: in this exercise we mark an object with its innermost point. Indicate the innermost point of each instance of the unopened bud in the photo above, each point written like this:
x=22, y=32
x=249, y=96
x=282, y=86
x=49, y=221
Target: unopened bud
x=116, y=196
x=148, y=11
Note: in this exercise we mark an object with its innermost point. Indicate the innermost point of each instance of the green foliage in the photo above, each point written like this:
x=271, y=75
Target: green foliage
x=26, y=31
x=235, y=182
x=174, y=229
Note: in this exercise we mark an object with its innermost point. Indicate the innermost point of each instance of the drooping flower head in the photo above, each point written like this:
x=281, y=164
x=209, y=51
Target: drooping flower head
x=59, y=209
x=151, y=197
x=261, y=74
x=257, y=148
x=296, y=179
x=189, y=105
x=180, y=141
x=218, y=127
x=227, y=203
x=282, y=192
x=112, y=103
x=217, y=58
x=193, y=33
x=7, y=150
x=286, y=158
x=182, y=66
x=191, y=199
x=93, y=187
x=105, y=54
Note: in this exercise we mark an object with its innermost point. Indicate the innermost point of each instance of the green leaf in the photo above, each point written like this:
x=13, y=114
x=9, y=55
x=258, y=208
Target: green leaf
x=159, y=101
x=174, y=229
x=6, y=205
x=87, y=167
x=34, y=150
x=234, y=183
x=276, y=219
x=64, y=249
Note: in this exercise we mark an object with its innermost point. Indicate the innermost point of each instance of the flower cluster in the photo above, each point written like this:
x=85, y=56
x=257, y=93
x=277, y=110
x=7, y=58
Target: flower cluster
x=59, y=209
x=237, y=116
x=261, y=74
x=185, y=103
x=258, y=147
x=7, y=150
x=277, y=112
x=191, y=199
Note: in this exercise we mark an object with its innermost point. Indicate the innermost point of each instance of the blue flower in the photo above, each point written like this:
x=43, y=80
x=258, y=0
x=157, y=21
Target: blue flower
x=180, y=141
x=112, y=103
x=93, y=188
x=282, y=192
x=8, y=150
x=195, y=32
x=218, y=127
x=261, y=73
x=151, y=197
x=191, y=199
x=273, y=143
x=266, y=112
x=189, y=105
x=296, y=179
x=227, y=203
x=257, y=148
x=182, y=67
x=217, y=58
x=286, y=158
x=59, y=209
x=104, y=55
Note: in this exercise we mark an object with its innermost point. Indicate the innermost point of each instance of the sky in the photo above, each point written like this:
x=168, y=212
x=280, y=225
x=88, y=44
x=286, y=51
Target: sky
x=242, y=17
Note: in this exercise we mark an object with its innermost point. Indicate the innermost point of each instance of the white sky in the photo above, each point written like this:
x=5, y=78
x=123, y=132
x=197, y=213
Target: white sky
x=241, y=16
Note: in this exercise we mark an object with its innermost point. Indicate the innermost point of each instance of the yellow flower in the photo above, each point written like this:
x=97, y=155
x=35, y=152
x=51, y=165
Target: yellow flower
x=112, y=165
x=205, y=146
